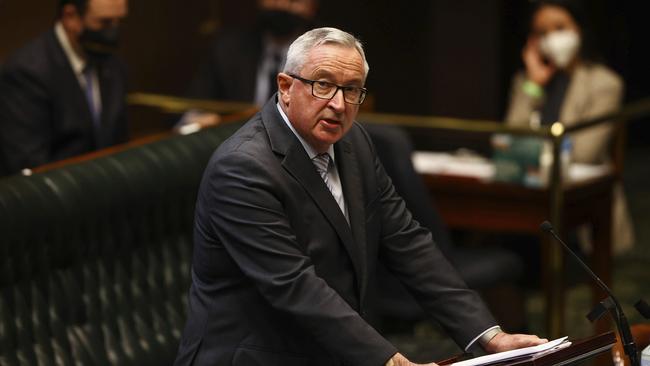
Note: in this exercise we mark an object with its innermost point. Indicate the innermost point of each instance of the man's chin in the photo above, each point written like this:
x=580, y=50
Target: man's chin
x=326, y=139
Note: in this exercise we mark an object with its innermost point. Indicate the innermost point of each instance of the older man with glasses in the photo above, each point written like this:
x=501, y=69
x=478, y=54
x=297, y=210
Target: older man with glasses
x=293, y=214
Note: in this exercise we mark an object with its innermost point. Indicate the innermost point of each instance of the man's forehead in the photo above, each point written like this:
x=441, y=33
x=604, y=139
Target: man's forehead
x=335, y=58
x=107, y=8
x=336, y=53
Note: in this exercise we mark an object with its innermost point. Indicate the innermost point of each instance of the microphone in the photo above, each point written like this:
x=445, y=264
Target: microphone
x=548, y=228
x=611, y=303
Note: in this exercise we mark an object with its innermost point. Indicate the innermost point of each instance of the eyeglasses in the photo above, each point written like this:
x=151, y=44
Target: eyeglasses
x=326, y=90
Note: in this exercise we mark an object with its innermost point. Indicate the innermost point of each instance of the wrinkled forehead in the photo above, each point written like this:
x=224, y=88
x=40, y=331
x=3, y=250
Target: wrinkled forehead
x=335, y=62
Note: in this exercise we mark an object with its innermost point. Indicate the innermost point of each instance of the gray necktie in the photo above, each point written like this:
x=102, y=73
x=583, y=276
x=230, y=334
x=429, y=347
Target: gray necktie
x=323, y=164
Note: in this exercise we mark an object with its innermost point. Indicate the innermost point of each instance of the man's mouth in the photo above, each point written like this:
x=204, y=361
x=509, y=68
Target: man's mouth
x=328, y=122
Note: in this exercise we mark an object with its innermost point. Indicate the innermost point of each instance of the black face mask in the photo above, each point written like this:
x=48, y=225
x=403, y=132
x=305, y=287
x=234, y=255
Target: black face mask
x=99, y=44
x=281, y=23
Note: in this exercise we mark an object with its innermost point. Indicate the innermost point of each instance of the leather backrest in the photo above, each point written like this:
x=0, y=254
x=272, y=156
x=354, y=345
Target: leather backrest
x=94, y=256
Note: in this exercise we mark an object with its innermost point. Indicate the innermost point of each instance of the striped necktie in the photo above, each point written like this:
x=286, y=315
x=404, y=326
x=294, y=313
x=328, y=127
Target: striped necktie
x=323, y=164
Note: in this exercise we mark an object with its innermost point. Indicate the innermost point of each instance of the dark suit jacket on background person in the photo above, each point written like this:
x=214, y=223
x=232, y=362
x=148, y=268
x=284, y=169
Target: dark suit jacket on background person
x=229, y=71
x=44, y=114
x=280, y=278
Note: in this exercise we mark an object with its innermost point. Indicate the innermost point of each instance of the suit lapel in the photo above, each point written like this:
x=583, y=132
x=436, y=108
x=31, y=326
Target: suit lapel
x=348, y=166
x=297, y=163
x=69, y=78
x=106, y=90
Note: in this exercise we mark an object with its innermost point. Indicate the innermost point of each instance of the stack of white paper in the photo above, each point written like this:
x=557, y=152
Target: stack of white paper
x=516, y=353
x=443, y=163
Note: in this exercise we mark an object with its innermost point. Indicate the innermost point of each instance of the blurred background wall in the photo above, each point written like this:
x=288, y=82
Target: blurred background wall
x=439, y=57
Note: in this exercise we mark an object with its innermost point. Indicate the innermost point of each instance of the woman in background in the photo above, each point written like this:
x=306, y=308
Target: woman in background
x=563, y=81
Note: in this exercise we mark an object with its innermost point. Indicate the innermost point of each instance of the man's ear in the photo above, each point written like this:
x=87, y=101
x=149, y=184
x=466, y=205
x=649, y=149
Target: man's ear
x=284, y=84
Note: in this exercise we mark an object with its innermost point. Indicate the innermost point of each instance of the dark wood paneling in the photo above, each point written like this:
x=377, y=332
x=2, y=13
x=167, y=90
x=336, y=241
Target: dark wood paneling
x=437, y=57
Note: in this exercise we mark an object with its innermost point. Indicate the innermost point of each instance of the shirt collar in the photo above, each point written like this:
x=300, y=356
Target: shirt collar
x=78, y=64
x=310, y=150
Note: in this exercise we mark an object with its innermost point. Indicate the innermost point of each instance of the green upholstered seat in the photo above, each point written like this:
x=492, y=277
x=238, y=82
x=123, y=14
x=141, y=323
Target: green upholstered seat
x=95, y=256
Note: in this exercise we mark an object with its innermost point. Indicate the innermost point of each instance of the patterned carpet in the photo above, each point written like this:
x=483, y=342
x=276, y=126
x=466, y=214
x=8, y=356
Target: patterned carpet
x=423, y=341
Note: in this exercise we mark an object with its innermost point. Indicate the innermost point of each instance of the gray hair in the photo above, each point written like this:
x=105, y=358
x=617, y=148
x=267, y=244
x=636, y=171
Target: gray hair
x=299, y=49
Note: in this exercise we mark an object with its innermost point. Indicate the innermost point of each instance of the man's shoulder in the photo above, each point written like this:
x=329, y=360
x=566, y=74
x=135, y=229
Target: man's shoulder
x=250, y=139
x=34, y=57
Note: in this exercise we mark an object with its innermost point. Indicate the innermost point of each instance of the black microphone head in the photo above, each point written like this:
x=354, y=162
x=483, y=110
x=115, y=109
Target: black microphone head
x=546, y=226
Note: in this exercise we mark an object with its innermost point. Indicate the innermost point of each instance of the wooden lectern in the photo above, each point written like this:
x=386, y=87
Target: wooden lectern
x=579, y=350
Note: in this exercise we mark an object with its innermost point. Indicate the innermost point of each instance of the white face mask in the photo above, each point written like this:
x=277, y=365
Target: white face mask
x=560, y=47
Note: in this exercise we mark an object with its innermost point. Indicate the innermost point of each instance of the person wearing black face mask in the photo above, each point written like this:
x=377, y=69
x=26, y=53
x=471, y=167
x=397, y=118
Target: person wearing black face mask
x=242, y=63
x=63, y=94
x=282, y=23
x=99, y=44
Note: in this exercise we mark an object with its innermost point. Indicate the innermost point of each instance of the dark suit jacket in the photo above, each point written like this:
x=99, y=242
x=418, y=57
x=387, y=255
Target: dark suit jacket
x=44, y=115
x=280, y=278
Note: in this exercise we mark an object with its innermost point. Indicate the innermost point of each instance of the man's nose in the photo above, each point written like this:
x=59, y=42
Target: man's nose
x=338, y=101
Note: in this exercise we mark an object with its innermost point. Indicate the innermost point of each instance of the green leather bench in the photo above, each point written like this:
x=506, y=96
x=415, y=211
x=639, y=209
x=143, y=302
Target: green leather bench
x=95, y=256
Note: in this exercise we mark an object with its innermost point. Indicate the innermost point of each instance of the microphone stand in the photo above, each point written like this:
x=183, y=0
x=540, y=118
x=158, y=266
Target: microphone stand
x=610, y=303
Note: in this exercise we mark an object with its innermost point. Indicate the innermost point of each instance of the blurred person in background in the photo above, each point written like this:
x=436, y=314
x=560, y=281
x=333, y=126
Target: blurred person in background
x=242, y=64
x=63, y=93
x=564, y=81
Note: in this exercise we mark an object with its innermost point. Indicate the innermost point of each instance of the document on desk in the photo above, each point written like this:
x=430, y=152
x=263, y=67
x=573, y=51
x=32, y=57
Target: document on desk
x=521, y=353
x=444, y=163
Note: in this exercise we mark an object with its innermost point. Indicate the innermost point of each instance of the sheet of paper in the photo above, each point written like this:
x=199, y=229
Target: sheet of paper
x=444, y=163
x=449, y=164
x=516, y=353
x=581, y=172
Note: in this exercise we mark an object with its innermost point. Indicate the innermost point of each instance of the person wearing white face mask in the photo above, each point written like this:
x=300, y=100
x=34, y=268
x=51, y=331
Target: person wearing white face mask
x=560, y=47
x=562, y=81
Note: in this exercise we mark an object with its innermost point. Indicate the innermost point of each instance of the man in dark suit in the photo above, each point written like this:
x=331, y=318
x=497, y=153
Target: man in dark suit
x=293, y=214
x=63, y=94
x=242, y=63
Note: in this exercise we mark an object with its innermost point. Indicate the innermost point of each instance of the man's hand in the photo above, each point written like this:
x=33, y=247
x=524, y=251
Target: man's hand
x=506, y=342
x=400, y=360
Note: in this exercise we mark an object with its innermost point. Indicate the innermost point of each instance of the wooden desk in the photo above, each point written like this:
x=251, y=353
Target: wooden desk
x=472, y=204
x=578, y=351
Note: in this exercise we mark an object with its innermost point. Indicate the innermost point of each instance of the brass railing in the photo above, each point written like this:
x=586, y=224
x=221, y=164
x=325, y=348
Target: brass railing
x=171, y=104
